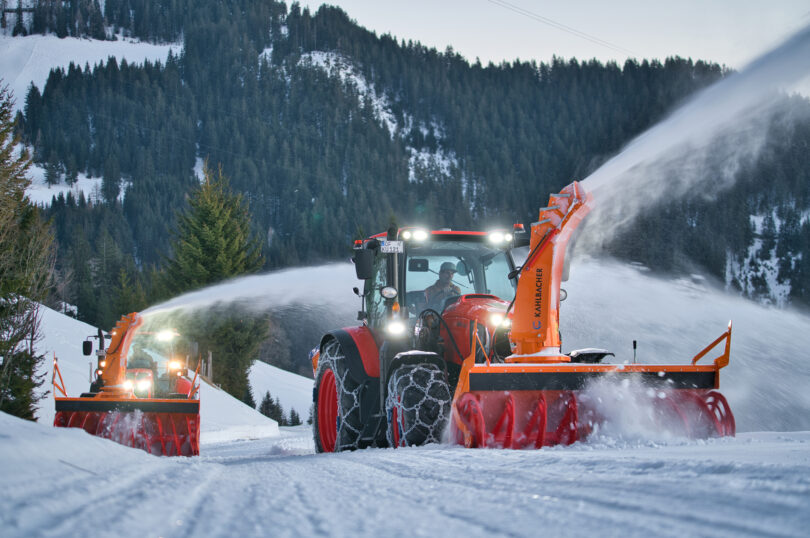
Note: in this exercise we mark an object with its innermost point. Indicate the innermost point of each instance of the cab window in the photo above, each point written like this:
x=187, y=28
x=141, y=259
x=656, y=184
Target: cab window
x=375, y=303
x=496, y=271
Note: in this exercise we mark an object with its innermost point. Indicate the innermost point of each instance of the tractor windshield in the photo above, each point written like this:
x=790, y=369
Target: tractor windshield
x=479, y=268
x=154, y=350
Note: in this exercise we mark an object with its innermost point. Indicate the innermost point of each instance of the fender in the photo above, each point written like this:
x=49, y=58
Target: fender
x=411, y=357
x=360, y=349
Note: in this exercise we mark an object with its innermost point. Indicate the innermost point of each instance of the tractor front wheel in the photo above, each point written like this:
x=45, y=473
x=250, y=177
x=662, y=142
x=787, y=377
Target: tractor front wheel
x=336, y=423
x=417, y=406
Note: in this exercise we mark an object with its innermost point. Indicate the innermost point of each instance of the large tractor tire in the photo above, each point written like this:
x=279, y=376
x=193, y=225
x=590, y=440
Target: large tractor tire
x=417, y=406
x=336, y=423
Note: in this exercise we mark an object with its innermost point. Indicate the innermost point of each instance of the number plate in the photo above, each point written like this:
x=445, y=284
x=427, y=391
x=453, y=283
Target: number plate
x=392, y=247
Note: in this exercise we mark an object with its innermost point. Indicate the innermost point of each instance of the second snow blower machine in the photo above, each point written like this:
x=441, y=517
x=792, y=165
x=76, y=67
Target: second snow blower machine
x=143, y=395
x=460, y=343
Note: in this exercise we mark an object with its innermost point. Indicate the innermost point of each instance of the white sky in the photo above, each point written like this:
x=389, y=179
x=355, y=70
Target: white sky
x=730, y=32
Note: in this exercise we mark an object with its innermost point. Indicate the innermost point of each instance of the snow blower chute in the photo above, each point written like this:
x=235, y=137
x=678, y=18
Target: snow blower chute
x=456, y=333
x=142, y=397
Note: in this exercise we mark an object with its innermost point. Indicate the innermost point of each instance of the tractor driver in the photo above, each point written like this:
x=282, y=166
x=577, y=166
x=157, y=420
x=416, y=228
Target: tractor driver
x=444, y=288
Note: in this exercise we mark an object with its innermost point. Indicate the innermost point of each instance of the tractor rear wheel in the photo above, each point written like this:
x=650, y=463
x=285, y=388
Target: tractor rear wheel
x=417, y=406
x=336, y=423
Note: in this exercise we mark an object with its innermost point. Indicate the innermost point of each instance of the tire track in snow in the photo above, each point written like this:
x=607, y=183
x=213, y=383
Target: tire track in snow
x=612, y=491
x=102, y=498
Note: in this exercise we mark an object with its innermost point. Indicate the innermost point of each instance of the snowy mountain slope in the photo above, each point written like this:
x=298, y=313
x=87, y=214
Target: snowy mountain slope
x=422, y=162
x=40, y=193
x=292, y=390
x=67, y=483
x=26, y=60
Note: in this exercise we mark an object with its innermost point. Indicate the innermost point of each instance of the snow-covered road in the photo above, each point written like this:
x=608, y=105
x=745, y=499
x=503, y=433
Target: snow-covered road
x=59, y=482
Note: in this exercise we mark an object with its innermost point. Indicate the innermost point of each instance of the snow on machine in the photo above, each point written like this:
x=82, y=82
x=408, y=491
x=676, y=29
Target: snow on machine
x=475, y=358
x=143, y=395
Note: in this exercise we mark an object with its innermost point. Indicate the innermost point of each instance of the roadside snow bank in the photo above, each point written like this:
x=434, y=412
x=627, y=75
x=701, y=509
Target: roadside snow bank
x=292, y=390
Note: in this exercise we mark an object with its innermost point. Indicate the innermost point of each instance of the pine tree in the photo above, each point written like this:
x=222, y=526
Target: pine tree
x=19, y=27
x=213, y=240
x=272, y=408
x=248, y=398
x=279, y=415
x=26, y=262
x=53, y=174
x=212, y=244
x=266, y=407
x=295, y=420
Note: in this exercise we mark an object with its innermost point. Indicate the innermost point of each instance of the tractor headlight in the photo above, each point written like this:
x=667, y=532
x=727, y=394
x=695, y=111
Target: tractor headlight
x=395, y=327
x=165, y=336
x=500, y=238
x=128, y=384
x=416, y=235
x=175, y=365
x=499, y=320
x=144, y=385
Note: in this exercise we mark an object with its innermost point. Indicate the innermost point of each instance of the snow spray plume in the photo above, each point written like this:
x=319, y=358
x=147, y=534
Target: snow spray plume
x=766, y=382
x=712, y=136
x=326, y=289
x=627, y=411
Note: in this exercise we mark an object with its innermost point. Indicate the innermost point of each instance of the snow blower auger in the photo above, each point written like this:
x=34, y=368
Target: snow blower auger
x=142, y=396
x=455, y=333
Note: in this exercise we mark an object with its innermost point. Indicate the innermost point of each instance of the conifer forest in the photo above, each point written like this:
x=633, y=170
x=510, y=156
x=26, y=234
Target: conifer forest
x=284, y=102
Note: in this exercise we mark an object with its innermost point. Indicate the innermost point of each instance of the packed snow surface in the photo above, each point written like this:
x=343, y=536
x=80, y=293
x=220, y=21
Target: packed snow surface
x=63, y=482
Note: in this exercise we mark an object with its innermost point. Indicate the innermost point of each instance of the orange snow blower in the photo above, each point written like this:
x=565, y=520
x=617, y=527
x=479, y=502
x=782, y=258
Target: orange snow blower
x=478, y=349
x=538, y=396
x=142, y=397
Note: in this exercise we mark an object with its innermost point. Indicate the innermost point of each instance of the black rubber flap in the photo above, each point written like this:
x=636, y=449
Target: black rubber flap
x=145, y=406
x=579, y=380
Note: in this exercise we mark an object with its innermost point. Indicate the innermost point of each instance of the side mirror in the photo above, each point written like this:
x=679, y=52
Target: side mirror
x=418, y=265
x=364, y=263
x=87, y=347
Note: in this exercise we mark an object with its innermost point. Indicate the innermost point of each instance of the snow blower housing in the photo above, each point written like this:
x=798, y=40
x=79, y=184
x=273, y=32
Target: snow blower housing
x=455, y=332
x=142, y=396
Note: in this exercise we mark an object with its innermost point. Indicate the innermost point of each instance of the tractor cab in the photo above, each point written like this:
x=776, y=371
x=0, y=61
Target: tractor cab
x=413, y=277
x=156, y=365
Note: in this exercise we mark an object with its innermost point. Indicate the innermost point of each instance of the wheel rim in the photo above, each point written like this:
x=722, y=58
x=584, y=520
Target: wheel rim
x=327, y=411
x=395, y=426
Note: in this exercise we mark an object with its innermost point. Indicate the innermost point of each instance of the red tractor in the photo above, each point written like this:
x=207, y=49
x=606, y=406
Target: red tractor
x=459, y=341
